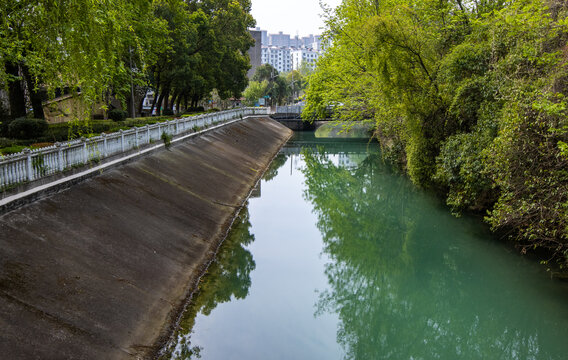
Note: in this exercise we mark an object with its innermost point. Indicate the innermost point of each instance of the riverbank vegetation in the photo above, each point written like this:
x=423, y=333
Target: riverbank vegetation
x=277, y=88
x=109, y=54
x=468, y=96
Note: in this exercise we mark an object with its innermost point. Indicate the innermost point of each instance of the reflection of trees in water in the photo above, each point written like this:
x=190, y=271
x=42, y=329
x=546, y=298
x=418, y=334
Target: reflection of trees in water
x=276, y=164
x=228, y=277
x=399, y=291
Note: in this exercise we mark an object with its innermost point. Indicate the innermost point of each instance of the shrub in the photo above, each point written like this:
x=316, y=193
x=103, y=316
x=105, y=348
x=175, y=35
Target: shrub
x=58, y=132
x=12, y=149
x=5, y=142
x=196, y=109
x=167, y=138
x=168, y=112
x=27, y=128
x=117, y=115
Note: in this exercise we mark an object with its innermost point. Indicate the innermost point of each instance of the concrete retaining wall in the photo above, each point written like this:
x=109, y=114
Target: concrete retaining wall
x=101, y=270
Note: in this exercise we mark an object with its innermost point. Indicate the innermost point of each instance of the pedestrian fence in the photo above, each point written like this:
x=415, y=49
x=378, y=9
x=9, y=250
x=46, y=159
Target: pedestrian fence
x=35, y=164
x=290, y=109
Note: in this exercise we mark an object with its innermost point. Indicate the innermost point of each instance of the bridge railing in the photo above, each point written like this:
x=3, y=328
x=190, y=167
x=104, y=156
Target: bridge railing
x=289, y=109
x=31, y=165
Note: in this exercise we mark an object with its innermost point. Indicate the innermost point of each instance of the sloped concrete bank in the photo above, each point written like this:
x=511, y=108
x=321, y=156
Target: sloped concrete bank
x=102, y=269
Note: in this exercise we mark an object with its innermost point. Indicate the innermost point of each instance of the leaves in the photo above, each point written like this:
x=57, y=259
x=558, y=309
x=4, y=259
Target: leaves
x=470, y=98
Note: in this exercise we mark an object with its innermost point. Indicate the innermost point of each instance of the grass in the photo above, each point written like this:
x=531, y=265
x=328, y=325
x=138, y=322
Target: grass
x=14, y=149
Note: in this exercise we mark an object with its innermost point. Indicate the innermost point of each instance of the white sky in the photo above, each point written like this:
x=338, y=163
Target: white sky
x=294, y=17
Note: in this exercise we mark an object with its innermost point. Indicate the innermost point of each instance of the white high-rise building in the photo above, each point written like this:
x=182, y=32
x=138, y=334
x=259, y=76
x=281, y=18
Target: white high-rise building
x=279, y=39
x=300, y=56
x=278, y=57
x=286, y=53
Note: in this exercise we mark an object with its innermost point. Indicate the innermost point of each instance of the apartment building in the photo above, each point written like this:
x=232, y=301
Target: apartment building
x=277, y=56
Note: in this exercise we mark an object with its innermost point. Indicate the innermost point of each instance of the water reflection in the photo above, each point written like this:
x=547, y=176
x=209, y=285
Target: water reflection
x=410, y=282
x=227, y=278
x=402, y=279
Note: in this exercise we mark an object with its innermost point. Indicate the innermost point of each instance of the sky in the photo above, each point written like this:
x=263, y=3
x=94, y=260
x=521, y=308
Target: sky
x=294, y=17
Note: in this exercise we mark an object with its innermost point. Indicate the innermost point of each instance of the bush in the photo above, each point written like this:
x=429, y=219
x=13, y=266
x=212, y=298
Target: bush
x=167, y=138
x=27, y=128
x=168, y=112
x=58, y=132
x=117, y=115
x=12, y=149
x=5, y=142
x=196, y=109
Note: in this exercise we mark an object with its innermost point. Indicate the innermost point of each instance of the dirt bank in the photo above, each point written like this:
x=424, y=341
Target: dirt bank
x=100, y=270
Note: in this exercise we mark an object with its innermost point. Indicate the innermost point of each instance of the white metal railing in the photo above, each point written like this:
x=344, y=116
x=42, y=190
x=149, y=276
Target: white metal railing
x=31, y=165
x=289, y=109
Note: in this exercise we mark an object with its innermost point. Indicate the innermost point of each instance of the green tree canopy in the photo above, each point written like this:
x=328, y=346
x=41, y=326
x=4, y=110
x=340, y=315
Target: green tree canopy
x=469, y=97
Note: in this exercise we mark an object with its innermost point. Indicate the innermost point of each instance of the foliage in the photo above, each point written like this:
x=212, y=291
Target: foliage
x=101, y=51
x=207, y=49
x=268, y=82
x=167, y=139
x=117, y=115
x=14, y=149
x=27, y=128
x=470, y=98
x=254, y=91
x=78, y=44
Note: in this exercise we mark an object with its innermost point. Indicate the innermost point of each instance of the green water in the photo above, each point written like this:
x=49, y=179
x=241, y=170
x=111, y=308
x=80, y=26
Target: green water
x=341, y=258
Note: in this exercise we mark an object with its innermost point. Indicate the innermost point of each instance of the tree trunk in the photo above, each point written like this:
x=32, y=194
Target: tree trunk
x=156, y=94
x=129, y=107
x=174, y=101
x=178, y=101
x=35, y=96
x=159, y=104
x=17, y=97
x=166, y=98
x=141, y=102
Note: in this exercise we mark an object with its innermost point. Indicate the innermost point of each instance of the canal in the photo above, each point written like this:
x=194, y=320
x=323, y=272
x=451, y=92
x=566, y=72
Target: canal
x=337, y=256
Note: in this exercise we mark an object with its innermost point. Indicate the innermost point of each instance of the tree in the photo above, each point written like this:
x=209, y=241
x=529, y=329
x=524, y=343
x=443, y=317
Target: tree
x=278, y=88
x=74, y=44
x=207, y=50
x=255, y=91
x=469, y=98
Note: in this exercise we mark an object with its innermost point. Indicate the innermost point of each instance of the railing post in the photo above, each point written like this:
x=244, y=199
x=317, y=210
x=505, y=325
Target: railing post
x=136, y=135
x=105, y=150
x=29, y=167
x=147, y=134
x=121, y=139
x=60, y=165
x=85, y=154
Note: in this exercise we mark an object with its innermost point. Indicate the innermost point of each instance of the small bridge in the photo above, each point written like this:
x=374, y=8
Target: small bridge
x=291, y=117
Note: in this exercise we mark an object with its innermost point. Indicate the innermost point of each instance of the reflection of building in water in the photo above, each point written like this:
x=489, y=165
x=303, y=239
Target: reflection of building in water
x=349, y=161
x=255, y=193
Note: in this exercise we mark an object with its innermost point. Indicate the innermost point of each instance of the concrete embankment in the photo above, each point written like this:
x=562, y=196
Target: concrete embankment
x=101, y=270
